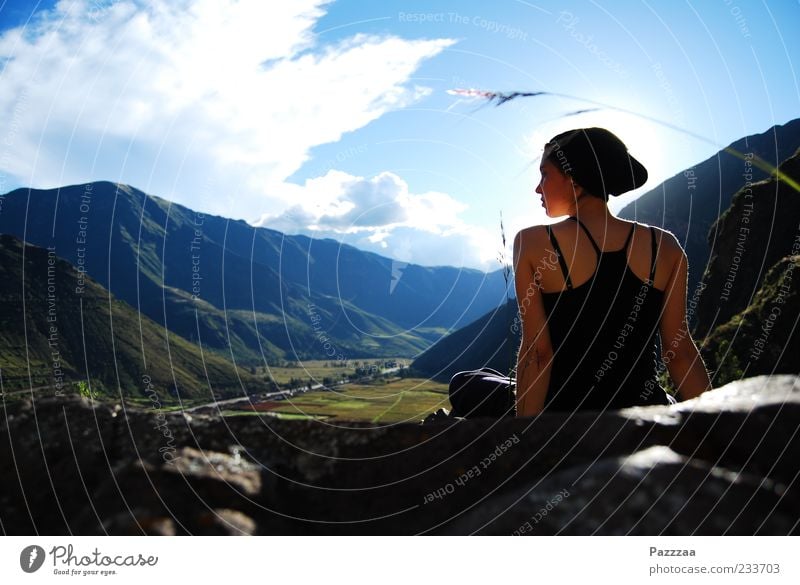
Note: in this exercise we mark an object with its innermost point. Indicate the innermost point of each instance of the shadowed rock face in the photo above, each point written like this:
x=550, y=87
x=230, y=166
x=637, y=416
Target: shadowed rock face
x=725, y=463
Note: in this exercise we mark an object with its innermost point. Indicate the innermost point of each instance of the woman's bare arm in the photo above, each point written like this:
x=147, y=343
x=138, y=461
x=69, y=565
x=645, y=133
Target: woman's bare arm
x=535, y=358
x=678, y=350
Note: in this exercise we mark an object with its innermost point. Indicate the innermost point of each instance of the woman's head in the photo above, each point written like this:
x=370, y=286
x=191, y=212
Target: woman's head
x=596, y=160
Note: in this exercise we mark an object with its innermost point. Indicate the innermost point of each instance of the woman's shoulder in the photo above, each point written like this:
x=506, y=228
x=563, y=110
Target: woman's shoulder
x=670, y=253
x=530, y=243
x=531, y=238
x=665, y=239
x=526, y=234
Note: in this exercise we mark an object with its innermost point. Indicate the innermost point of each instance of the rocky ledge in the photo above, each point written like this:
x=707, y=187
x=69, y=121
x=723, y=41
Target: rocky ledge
x=725, y=463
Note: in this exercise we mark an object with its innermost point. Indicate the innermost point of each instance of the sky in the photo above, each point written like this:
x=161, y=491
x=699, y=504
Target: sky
x=333, y=119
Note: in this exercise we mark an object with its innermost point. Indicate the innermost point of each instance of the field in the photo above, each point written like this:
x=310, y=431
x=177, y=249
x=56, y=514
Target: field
x=398, y=400
x=316, y=370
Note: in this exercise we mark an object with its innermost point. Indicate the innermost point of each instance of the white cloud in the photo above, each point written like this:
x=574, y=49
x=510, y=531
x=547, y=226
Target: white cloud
x=213, y=104
x=381, y=215
x=210, y=103
x=367, y=204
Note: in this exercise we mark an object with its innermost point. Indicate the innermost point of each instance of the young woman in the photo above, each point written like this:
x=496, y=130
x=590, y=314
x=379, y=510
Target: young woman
x=595, y=290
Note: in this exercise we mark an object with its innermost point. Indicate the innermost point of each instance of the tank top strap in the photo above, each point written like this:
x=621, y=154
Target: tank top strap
x=653, y=255
x=630, y=237
x=597, y=249
x=561, y=261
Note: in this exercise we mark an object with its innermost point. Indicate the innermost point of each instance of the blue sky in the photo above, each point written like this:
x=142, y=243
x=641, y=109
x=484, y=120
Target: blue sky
x=333, y=118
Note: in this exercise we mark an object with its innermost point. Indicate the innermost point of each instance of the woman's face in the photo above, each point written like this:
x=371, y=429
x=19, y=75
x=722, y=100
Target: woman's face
x=556, y=189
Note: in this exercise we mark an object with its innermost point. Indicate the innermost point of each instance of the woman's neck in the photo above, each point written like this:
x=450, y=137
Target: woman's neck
x=591, y=209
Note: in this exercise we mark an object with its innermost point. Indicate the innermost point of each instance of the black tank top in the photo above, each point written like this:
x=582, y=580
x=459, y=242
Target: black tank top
x=603, y=334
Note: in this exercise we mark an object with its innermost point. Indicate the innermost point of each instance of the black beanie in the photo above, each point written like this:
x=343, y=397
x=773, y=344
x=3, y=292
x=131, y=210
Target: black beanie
x=597, y=160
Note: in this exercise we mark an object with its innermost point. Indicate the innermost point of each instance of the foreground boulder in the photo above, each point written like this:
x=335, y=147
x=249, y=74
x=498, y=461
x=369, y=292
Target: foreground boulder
x=725, y=463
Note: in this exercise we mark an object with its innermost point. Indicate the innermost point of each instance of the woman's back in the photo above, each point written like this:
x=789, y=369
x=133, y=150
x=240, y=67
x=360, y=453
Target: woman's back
x=603, y=312
x=609, y=234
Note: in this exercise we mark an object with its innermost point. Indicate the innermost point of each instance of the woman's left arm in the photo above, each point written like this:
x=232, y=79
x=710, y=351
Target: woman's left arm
x=678, y=350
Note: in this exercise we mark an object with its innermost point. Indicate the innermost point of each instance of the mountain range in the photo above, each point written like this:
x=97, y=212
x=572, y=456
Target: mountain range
x=253, y=295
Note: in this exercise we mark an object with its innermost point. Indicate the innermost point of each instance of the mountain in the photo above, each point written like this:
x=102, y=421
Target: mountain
x=489, y=341
x=756, y=231
x=59, y=327
x=689, y=203
x=764, y=338
x=253, y=294
x=751, y=301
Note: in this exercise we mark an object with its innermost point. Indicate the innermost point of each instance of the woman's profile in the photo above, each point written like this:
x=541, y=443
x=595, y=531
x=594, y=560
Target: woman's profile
x=595, y=291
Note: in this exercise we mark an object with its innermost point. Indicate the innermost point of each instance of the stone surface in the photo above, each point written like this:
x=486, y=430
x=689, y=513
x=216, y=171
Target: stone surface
x=725, y=463
x=654, y=491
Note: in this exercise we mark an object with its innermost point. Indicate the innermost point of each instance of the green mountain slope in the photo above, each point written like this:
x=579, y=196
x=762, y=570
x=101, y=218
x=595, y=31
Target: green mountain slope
x=58, y=326
x=764, y=338
x=757, y=230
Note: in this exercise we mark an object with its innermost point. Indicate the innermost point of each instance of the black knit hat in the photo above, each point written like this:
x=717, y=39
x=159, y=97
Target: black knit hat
x=597, y=160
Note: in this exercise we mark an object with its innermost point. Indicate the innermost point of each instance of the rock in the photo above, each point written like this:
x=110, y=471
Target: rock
x=655, y=491
x=188, y=489
x=724, y=463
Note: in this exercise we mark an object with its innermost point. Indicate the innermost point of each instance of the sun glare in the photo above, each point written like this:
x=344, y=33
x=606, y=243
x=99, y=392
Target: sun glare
x=656, y=145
